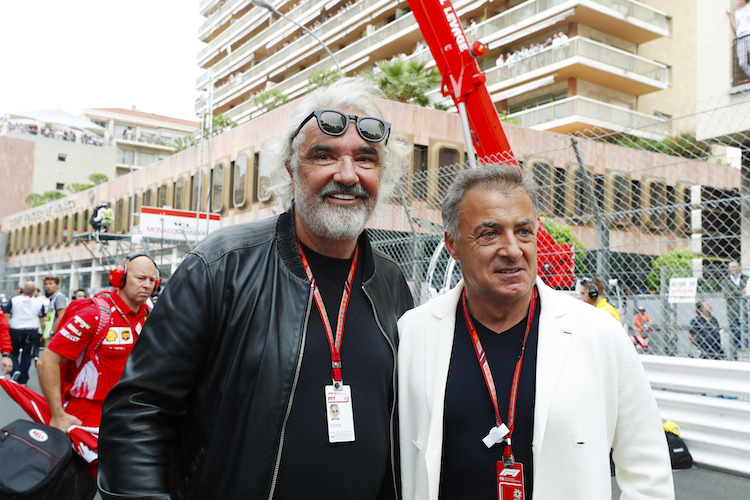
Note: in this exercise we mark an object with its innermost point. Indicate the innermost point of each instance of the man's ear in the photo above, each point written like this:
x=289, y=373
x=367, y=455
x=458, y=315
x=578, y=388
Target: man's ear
x=288, y=167
x=450, y=245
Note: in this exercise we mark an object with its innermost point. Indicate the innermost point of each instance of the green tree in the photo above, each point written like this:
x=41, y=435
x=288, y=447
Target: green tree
x=221, y=123
x=677, y=264
x=503, y=115
x=183, y=143
x=407, y=81
x=98, y=179
x=322, y=78
x=563, y=234
x=685, y=145
x=270, y=99
x=40, y=199
x=76, y=187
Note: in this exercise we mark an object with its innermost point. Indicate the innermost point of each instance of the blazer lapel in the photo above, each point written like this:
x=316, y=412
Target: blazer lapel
x=443, y=325
x=552, y=350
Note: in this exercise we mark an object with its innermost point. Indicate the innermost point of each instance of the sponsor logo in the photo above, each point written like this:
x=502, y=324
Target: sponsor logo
x=509, y=472
x=38, y=435
x=118, y=335
x=456, y=30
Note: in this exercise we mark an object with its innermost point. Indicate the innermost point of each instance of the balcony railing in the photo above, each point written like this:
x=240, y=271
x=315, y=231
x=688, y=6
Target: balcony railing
x=245, y=24
x=740, y=62
x=326, y=31
x=510, y=20
x=302, y=15
x=624, y=64
x=598, y=114
x=351, y=53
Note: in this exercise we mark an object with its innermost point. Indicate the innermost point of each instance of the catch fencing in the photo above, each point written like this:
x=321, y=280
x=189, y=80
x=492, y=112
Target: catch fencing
x=641, y=210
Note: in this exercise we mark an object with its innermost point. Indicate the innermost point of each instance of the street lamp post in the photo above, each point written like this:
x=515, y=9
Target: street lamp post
x=264, y=4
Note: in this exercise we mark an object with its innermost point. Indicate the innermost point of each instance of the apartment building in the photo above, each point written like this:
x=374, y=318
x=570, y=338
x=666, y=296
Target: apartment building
x=141, y=138
x=577, y=65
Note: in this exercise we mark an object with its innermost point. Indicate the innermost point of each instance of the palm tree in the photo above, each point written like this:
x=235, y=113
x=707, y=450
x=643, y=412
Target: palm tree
x=407, y=81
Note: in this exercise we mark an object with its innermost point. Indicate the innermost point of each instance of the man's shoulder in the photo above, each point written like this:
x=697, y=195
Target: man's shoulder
x=385, y=261
x=224, y=240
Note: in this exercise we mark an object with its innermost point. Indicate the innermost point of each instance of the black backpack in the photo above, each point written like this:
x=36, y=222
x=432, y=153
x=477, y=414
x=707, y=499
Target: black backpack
x=678, y=452
x=37, y=462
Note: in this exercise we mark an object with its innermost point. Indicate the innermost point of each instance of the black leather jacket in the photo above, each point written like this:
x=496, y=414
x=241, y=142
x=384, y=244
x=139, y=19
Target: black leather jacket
x=201, y=409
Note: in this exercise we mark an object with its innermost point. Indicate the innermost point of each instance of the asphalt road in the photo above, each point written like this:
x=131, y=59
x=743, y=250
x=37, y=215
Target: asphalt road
x=697, y=483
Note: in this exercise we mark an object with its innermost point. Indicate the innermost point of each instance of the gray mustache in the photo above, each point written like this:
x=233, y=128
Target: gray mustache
x=337, y=187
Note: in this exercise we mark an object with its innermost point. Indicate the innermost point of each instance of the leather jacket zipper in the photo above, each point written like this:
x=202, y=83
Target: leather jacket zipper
x=291, y=397
x=393, y=400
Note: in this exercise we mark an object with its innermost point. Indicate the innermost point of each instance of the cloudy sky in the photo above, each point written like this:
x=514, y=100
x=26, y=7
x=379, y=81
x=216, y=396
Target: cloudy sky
x=80, y=54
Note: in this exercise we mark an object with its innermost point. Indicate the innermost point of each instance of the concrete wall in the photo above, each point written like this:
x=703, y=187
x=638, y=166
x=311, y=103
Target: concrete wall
x=16, y=167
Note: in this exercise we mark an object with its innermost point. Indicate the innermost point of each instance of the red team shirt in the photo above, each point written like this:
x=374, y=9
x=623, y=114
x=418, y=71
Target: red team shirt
x=96, y=370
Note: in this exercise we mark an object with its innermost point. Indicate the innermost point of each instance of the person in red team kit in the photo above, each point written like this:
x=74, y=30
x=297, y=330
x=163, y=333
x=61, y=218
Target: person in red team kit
x=86, y=358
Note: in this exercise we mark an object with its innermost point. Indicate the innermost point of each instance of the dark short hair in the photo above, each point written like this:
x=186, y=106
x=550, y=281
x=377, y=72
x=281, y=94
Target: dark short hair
x=56, y=279
x=494, y=177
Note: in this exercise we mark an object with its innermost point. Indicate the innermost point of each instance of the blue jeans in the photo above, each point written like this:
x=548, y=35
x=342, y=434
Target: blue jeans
x=24, y=341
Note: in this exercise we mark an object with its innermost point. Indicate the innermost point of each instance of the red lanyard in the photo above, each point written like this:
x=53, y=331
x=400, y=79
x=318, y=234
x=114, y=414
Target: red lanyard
x=482, y=357
x=333, y=343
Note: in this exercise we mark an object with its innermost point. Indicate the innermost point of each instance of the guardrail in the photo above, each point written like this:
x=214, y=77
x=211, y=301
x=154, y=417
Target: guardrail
x=710, y=401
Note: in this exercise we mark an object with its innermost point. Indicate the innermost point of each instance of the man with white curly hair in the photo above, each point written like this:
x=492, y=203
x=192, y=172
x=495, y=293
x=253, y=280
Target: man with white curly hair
x=289, y=317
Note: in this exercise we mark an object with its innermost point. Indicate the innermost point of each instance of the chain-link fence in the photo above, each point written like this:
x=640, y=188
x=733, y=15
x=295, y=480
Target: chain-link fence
x=658, y=220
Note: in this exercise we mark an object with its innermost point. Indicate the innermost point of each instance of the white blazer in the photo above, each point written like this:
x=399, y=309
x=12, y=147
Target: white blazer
x=591, y=395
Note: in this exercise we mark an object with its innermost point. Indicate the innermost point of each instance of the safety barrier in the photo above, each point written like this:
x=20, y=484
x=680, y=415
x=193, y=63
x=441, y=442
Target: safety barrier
x=710, y=401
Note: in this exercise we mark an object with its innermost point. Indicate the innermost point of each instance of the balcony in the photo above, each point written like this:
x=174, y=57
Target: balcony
x=583, y=59
x=245, y=25
x=626, y=19
x=740, y=75
x=367, y=50
x=286, y=59
x=206, y=5
x=581, y=114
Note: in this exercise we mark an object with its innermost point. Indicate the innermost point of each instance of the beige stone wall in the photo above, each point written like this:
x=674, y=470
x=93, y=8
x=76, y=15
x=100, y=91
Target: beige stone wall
x=679, y=53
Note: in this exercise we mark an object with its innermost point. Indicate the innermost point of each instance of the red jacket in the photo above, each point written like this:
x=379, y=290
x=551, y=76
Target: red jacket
x=5, y=345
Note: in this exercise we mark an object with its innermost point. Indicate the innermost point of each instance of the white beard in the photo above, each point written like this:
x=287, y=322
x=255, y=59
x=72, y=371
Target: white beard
x=333, y=222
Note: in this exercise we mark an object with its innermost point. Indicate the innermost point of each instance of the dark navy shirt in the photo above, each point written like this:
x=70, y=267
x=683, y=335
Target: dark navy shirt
x=468, y=466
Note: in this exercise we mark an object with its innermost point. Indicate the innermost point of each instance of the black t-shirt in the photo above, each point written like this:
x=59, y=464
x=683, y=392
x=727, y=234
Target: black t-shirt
x=311, y=467
x=468, y=466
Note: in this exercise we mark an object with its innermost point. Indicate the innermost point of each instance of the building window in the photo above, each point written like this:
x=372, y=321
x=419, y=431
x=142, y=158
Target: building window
x=126, y=156
x=179, y=194
x=240, y=180
x=420, y=172
x=145, y=159
x=59, y=186
x=61, y=156
x=217, y=188
x=448, y=166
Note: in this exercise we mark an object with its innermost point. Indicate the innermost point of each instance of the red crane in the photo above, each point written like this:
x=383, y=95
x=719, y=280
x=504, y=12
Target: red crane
x=455, y=57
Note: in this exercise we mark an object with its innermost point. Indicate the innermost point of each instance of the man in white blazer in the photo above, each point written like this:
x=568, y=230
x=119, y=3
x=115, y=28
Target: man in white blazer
x=579, y=387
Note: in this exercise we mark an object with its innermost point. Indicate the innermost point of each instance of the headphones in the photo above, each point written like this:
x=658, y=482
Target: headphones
x=118, y=275
x=591, y=288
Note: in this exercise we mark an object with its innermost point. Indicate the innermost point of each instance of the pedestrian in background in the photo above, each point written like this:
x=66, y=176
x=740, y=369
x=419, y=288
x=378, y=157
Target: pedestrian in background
x=734, y=287
x=6, y=346
x=705, y=332
x=25, y=312
x=592, y=292
x=642, y=329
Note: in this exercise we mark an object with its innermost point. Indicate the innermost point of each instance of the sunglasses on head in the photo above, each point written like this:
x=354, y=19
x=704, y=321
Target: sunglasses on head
x=336, y=123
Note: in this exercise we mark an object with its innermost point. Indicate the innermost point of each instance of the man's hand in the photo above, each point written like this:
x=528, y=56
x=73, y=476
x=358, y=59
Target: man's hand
x=6, y=365
x=64, y=421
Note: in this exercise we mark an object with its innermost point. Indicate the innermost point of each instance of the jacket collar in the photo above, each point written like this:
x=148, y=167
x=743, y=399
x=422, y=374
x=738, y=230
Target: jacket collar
x=446, y=304
x=286, y=240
